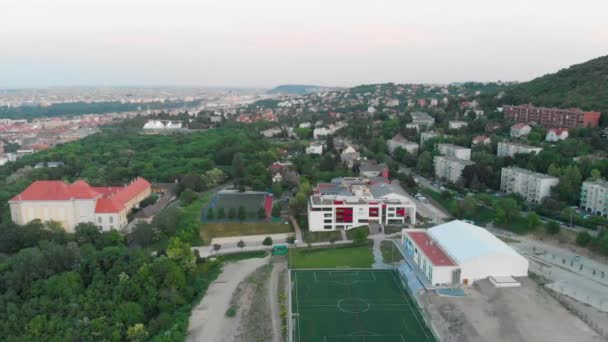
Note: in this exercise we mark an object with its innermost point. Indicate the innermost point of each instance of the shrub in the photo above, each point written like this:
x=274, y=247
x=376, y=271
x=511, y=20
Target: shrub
x=267, y=241
x=552, y=227
x=583, y=239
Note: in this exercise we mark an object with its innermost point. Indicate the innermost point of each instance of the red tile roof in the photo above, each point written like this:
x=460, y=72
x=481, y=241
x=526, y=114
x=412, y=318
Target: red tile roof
x=430, y=249
x=108, y=205
x=558, y=131
x=109, y=199
x=56, y=191
x=519, y=125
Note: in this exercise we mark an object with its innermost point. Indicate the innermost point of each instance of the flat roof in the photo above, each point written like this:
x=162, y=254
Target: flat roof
x=430, y=248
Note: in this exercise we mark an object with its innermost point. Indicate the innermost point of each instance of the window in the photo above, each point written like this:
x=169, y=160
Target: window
x=327, y=227
x=326, y=215
x=111, y=219
x=99, y=219
x=327, y=221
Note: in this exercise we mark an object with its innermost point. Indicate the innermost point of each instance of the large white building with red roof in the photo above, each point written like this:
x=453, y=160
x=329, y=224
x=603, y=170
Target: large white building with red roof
x=71, y=204
x=459, y=253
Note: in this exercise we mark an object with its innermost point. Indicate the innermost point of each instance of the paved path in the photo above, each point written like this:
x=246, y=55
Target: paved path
x=208, y=321
x=297, y=229
x=378, y=259
x=273, y=296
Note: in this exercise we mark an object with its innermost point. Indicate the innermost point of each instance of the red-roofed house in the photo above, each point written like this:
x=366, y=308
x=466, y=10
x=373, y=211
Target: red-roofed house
x=78, y=202
x=556, y=134
x=520, y=130
x=481, y=139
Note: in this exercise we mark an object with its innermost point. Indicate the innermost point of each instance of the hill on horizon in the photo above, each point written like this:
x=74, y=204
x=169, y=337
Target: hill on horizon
x=582, y=85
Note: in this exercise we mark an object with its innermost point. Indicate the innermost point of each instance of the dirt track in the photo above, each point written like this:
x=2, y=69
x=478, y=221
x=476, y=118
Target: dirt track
x=208, y=321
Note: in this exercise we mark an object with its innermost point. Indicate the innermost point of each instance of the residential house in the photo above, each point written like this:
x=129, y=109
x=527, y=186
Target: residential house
x=399, y=141
x=520, y=130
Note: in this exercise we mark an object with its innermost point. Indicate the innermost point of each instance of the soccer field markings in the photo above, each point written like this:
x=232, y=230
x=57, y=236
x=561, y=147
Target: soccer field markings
x=378, y=307
x=411, y=308
x=362, y=334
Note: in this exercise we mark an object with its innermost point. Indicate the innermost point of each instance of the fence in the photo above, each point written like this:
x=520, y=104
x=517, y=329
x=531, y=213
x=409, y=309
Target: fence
x=598, y=301
x=426, y=315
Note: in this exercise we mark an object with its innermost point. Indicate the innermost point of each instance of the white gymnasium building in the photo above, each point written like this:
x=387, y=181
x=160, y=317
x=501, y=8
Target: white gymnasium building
x=458, y=253
x=351, y=202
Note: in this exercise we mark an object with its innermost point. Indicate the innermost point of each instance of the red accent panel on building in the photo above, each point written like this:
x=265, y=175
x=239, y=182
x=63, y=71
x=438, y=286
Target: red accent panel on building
x=433, y=252
x=400, y=212
x=268, y=205
x=373, y=212
x=344, y=215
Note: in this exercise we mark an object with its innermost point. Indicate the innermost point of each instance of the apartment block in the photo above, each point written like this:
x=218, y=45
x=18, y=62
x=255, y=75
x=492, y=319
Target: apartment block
x=552, y=117
x=450, y=168
x=452, y=150
x=510, y=149
x=594, y=197
x=532, y=186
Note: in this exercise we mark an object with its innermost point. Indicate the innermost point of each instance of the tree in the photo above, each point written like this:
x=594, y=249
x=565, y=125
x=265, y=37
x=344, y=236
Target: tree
x=242, y=214
x=552, y=227
x=167, y=220
x=466, y=207
x=596, y=174
x=231, y=213
x=533, y=221
x=188, y=196
x=276, y=210
x=261, y=213
x=241, y=244
x=583, y=239
x=221, y=213
x=425, y=163
x=86, y=233
x=143, y=234
x=267, y=241
x=210, y=213
x=290, y=240
x=507, y=210
x=181, y=253
x=277, y=190
x=137, y=333
x=238, y=167
x=360, y=235
x=216, y=247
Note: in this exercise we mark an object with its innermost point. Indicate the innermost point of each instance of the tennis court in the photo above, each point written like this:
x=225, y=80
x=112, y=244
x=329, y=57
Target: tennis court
x=354, y=305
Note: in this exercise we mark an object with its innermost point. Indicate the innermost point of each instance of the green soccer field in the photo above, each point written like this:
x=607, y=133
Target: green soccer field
x=354, y=305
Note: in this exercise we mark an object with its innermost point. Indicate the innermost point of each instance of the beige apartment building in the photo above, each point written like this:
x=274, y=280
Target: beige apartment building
x=510, y=149
x=450, y=168
x=532, y=186
x=452, y=150
x=71, y=204
x=594, y=197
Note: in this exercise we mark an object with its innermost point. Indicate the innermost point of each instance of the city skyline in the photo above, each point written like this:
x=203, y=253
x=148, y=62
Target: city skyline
x=241, y=44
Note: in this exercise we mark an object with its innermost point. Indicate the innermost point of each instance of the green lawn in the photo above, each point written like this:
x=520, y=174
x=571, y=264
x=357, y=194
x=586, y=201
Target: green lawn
x=350, y=234
x=390, y=253
x=224, y=229
x=311, y=237
x=359, y=256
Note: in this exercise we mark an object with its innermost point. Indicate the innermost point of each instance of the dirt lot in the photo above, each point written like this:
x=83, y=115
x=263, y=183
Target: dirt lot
x=526, y=313
x=208, y=321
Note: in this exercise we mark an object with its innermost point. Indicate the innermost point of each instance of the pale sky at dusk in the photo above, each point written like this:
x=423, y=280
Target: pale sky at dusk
x=265, y=43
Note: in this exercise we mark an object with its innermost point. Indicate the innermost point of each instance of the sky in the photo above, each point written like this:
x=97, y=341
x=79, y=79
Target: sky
x=249, y=43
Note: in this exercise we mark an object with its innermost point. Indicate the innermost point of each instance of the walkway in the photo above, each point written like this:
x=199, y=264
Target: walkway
x=377, y=251
x=296, y=228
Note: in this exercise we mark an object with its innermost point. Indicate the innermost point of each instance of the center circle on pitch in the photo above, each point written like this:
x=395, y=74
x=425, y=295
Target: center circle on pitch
x=353, y=305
